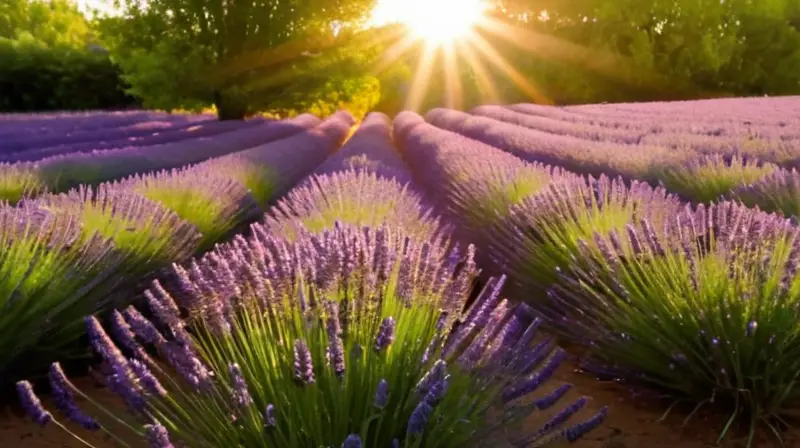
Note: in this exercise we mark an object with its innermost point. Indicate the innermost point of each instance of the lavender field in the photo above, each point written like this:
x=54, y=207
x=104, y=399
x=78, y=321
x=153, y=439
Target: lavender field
x=610, y=275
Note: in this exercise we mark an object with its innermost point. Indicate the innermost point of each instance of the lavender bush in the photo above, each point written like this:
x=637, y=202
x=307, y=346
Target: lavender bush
x=353, y=196
x=775, y=192
x=709, y=178
x=337, y=339
x=17, y=182
x=52, y=275
x=704, y=308
x=214, y=208
x=540, y=237
x=148, y=235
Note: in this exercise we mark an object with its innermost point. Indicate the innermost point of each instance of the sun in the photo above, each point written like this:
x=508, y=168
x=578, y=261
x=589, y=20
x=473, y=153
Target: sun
x=436, y=22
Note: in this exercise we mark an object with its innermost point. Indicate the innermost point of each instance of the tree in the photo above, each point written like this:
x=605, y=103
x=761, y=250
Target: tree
x=189, y=53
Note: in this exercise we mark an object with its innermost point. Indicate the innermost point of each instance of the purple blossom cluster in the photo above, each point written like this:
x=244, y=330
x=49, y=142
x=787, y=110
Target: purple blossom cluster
x=492, y=345
x=474, y=183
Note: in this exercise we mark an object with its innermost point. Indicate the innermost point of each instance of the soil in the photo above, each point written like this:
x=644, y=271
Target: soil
x=633, y=422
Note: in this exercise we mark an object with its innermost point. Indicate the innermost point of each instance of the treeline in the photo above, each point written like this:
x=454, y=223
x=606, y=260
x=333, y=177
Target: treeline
x=49, y=60
x=178, y=54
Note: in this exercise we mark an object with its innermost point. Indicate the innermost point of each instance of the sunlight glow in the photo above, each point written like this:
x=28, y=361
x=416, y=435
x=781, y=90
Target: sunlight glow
x=436, y=22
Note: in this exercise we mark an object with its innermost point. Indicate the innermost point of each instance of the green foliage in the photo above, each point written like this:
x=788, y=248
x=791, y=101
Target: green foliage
x=704, y=309
x=188, y=55
x=35, y=77
x=710, y=177
x=47, y=60
x=541, y=236
x=777, y=192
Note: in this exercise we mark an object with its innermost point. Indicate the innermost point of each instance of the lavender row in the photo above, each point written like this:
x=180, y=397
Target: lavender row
x=366, y=183
x=574, y=154
x=159, y=137
x=696, y=175
x=370, y=149
x=13, y=145
x=60, y=173
x=473, y=184
x=123, y=231
x=675, y=123
x=731, y=137
x=98, y=122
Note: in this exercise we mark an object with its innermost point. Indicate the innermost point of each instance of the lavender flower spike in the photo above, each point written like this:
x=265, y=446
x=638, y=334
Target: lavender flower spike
x=269, y=415
x=382, y=394
x=352, y=441
x=303, y=365
x=157, y=436
x=577, y=431
x=64, y=401
x=30, y=402
x=240, y=392
x=385, y=334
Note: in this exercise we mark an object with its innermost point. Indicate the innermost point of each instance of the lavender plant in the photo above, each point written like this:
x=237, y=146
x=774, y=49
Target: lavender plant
x=148, y=235
x=710, y=177
x=354, y=197
x=704, y=308
x=341, y=338
x=19, y=181
x=214, y=208
x=541, y=236
x=51, y=274
x=778, y=191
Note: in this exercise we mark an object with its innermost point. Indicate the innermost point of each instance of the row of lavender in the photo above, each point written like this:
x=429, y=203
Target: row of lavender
x=332, y=323
x=60, y=157
x=699, y=301
x=83, y=251
x=700, y=155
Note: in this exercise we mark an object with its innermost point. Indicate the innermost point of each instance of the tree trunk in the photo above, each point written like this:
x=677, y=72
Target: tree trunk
x=229, y=106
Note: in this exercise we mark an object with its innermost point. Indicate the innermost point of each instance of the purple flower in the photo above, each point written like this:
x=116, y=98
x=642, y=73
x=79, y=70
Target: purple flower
x=419, y=418
x=553, y=397
x=269, y=415
x=535, y=380
x=30, y=402
x=240, y=393
x=147, y=379
x=382, y=394
x=303, y=364
x=577, y=431
x=142, y=327
x=157, y=436
x=385, y=335
x=335, y=344
x=65, y=402
x=352, y=441
x=122, y=381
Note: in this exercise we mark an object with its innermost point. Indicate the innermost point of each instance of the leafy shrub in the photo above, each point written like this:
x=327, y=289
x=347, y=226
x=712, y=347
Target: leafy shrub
x=704, y=308
x=36, y=78
x=342, y=338
x=711, y=177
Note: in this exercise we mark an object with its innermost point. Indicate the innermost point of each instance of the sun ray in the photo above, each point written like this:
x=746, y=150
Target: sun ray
x=452, y=80
x=486, y=49
x=551, y=47
x=394, y=52
x=419, y=84
x=486, y=87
